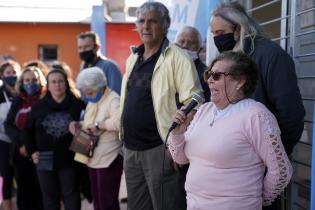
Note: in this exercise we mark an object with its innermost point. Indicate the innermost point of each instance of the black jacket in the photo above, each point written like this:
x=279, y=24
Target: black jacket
x=10, y=127
x=201, y=68
x=46, y=128
x=11, y=130
x=2, y=98
x=277, y=88
x=21, y=105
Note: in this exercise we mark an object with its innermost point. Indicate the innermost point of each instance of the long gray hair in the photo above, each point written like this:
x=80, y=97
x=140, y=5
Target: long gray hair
x=236, y=15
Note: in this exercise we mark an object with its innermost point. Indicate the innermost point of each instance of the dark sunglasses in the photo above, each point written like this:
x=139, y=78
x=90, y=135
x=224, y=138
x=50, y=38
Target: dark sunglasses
x=216, y=75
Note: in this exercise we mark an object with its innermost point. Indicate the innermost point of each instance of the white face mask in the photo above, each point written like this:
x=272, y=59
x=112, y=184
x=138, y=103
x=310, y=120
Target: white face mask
x=192, y=54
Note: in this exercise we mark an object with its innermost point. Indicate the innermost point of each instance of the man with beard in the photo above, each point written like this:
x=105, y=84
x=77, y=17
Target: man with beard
x=88, y=48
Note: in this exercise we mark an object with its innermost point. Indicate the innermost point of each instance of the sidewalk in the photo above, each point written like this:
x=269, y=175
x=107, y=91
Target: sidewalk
x=88, y=206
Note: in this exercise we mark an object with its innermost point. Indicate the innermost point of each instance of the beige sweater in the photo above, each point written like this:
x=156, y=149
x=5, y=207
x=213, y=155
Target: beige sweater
x=106, y=112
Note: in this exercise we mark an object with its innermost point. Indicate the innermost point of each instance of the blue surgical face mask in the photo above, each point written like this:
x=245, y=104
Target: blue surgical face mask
x=10, y=80
x=31, y=88
x=97, y=97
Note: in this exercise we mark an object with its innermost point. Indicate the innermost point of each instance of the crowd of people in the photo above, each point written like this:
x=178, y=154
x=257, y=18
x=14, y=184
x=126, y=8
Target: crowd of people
x=232, y=152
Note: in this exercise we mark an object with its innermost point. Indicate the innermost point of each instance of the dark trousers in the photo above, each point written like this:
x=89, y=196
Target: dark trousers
x=60, y=184
x=84, y=180
x=150, y=185
x=105, y=183
x=181, y=193
x=28, y=190
x=6, y=170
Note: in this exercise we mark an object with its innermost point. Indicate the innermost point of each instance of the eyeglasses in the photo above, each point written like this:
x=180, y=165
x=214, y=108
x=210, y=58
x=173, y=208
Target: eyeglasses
x=216, y=75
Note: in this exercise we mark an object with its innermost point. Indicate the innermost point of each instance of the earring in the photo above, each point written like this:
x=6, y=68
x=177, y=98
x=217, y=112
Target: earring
x=238, y=87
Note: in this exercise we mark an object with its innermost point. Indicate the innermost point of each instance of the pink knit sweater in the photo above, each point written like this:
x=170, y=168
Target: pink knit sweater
x=228, y=155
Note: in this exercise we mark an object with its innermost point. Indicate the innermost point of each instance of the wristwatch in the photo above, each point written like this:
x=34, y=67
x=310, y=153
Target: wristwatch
x=97, y=125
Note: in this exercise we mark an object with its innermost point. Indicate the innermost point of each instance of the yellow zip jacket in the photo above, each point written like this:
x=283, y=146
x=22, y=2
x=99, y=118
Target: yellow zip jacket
x=173, y=73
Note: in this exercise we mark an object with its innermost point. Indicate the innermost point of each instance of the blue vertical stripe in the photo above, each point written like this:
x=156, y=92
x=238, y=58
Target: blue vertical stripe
x=203, y=16
x=98, y=25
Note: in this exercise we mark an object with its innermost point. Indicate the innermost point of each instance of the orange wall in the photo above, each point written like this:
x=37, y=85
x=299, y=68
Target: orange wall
x=119, y=38
x=21, y=40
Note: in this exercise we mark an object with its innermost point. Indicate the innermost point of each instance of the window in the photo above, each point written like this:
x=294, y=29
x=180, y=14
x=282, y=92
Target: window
x=48, y=53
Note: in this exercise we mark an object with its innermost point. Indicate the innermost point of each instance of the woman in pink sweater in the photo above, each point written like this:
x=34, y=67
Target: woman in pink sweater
x=230, y=142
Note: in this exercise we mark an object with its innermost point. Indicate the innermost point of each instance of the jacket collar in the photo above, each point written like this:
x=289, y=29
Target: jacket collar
x=164, y=46
x=249, y=44
x=106, y=93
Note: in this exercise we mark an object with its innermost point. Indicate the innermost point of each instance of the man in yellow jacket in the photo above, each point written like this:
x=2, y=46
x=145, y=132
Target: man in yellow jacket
x=155, y=72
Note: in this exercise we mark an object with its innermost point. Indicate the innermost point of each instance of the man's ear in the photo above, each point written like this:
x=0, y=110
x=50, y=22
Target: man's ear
x=97, y=47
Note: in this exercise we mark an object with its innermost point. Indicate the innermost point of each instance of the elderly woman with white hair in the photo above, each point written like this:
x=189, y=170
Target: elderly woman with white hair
x=101, y=118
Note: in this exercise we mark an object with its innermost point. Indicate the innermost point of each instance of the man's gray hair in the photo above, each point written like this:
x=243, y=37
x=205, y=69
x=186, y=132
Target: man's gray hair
x=236, y=15
x=194, y=30
x=91, y=78
x=158, y=7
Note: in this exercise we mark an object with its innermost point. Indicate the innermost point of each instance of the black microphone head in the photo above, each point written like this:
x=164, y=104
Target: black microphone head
x=198, y=97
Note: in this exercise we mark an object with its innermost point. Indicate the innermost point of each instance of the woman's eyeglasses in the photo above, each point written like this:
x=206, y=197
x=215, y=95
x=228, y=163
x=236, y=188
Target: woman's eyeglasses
x=216, y=75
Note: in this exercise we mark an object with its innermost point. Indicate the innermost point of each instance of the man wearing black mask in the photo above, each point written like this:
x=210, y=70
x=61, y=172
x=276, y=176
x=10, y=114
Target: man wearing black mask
x=233, y=29
x=88, y=48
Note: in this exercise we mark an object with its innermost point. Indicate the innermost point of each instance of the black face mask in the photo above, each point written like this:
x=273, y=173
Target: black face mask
x=88, y=56
x=224, y=42
x=10, y=80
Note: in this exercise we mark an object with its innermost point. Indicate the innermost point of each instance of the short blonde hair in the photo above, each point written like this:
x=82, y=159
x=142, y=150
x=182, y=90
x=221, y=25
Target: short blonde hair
x=39, y=64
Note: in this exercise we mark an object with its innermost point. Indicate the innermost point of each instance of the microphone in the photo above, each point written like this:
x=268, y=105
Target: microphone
x=197, y=98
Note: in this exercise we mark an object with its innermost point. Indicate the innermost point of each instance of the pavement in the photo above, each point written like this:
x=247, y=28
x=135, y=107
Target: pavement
x=88, y=206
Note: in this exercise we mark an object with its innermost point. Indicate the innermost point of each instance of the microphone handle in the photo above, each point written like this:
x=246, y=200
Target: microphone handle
x=190, y=106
